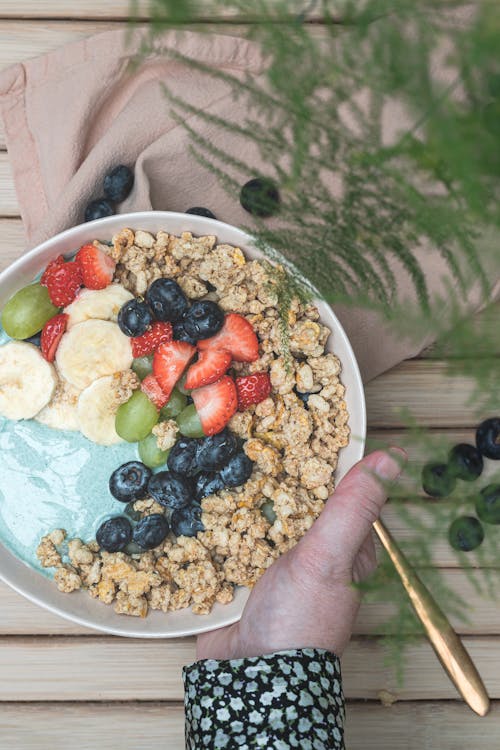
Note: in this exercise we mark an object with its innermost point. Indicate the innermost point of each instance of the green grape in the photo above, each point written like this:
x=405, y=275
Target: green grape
x=27, y=312
x=150, y=454
x=180, y=385
x=175, y=405
x=143, y=366
x=189, y=422
x=267, y=510
x=136, y=418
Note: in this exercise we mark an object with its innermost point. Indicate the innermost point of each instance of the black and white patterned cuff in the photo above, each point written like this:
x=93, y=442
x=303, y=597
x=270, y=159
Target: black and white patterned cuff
x=289, y=699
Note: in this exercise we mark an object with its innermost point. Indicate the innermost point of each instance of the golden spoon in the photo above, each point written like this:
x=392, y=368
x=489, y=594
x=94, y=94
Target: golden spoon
x=445, y=642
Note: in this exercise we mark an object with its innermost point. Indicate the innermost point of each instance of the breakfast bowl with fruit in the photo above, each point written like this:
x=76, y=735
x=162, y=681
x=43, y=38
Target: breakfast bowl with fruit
x=172, y=419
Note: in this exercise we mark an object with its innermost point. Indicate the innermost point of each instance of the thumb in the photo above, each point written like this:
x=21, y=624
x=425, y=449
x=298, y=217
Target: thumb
x=349, y=513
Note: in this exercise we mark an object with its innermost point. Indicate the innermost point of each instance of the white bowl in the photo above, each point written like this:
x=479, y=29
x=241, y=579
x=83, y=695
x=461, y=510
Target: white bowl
x=79, y=607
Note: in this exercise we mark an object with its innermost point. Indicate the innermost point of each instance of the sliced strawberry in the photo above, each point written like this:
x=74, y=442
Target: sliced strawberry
x=215, y=403
x=59, y=261
x=151, y=387
x=237, y=336
x=252, y=389
x=97, y=268
x=158, y=334
x=52, y=334
x=63, y=281
x=211, y=365
x=169, y=362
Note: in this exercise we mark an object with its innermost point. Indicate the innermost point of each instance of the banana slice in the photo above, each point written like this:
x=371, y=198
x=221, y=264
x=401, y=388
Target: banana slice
x=91, y=350
x=61, y=412
x=27, y=380
x=97, y=408
x=101, y=304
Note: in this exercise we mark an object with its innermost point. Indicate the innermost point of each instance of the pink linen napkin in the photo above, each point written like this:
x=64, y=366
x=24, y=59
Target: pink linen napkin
x=72, y=114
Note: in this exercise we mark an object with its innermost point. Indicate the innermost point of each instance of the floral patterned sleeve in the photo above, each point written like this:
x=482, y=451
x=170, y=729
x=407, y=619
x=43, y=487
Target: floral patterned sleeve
x=289, y=699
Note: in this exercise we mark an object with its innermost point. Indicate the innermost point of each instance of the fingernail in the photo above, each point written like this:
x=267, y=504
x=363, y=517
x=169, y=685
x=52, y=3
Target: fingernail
x=390, y=463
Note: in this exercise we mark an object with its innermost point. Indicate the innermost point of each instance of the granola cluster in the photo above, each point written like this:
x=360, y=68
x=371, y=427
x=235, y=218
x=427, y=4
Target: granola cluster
x=294, y=438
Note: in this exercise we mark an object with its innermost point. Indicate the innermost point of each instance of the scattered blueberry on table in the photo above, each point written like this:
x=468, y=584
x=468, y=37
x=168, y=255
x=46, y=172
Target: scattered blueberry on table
x=465, y=533
x=488, y=504
x=118, y=183
x=465, y=462
x=260, y=197
x=99, y=209
x=200, y=211
x=437, y=481
x=488, y=438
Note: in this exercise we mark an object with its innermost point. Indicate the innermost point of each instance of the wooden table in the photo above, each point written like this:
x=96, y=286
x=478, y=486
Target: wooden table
x=64, y=686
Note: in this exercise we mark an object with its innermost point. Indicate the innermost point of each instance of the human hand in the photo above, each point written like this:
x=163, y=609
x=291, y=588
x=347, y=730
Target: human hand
x=306, y=598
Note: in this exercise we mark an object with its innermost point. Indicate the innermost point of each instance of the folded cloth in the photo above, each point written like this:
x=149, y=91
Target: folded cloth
x=72, y=114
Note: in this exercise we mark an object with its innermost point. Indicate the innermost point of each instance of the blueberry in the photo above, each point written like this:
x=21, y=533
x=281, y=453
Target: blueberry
x=151, y=531
x=216, y=450
x=238, y=469
x=203, y=320
x=118, y=184
x=170, y=489
x=488, y=504
x=465, y=462
x=134, y=318
x=488, y=438
x=130, y=481
x=180, y=334
x=208, y=483
x=260, y=197
x=304, y=397
x=183, y=456
x=465, y=533
x=35, y=340
x=187, y=521
x=130, y=512
x=200, y=211
x=98, y=209
x=114, y=534
x=437, y=480
x=167, y=300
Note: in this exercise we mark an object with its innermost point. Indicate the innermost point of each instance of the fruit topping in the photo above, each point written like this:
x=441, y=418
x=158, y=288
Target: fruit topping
x=175, y=405
x=252, y=389
x=59, y=261
x=203, y=320
x=150, y=454
x=63, y=281
x=118, y=184
x=215, y=404
x=208, y=483
x=183, y=457
x=26, y=313
x=260, y=197
x=151, y=388
x=151, y=531
x=114, y=534
x=488, y=504
x=187, y=521
x=99, y=209
x=97, y=268
x=51, y=335
x=237, y=336
x=465, y=533
x=159, y=333
x=136, y=418
x=130, y=481
x=167, y=300
x=36, y=340
x=237, y=470
x=180, y=334
x=488, y=438
x=135, y=318
x=96, y=411
x=437, y=481
x=200, y=211
x=215, y=451
x=143, y=366
x=465, y=462
x=189, y=422
x=267, y=510
x=170, y=361
x=27, y=380
x=100, y=304
x=170, y=489
x=209, y=367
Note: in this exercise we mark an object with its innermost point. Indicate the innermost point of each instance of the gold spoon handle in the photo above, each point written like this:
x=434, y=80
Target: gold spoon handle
x=445, y=642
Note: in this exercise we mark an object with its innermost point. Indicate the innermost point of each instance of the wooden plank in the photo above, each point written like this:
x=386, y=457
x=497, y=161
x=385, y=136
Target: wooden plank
x=12, y=241
x=21, y=617
x=155, y=726
x=104, y=669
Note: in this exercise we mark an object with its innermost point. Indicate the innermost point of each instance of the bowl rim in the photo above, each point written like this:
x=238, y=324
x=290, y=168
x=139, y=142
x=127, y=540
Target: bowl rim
x=246, y=239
